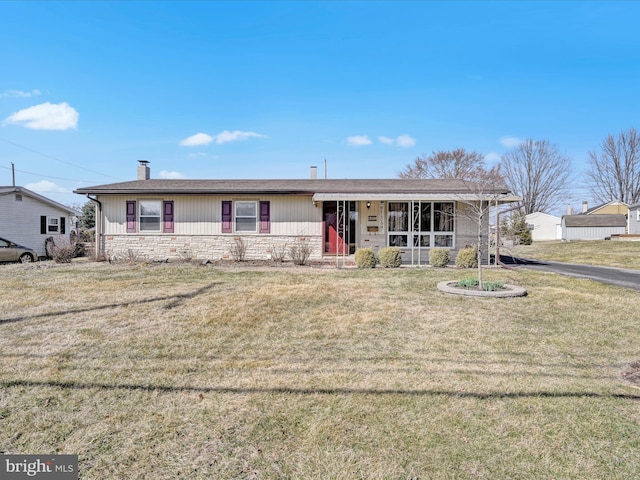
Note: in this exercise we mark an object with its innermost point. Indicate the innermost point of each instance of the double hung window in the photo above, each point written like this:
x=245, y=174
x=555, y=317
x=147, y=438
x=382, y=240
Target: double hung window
x=149, y=216
x=246, y=216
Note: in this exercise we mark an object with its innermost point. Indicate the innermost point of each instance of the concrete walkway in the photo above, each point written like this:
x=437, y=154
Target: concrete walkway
x=622, y=277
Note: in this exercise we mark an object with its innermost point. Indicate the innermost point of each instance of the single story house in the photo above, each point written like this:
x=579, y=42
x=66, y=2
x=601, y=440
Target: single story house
x=634, y=219
x=593, y=227
x=203, y=218
x=28, y=219
x=543, y=226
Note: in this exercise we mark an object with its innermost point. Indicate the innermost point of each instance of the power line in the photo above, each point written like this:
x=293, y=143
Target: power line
x=56, y=159
x=49, y=176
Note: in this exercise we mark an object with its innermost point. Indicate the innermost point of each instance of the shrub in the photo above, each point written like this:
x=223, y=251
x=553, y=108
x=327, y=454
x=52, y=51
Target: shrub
x=439, y=257
x=62, y=251
x=238, y=249
x=300, y=251
x=365, y=258
x=467, y=258
x=278, y=252
x=390, y=257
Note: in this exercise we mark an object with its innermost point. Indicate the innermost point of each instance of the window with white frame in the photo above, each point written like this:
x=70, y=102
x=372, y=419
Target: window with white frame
x=150, y=215
x=53, y=225
x=246, y=216
x=421, y=224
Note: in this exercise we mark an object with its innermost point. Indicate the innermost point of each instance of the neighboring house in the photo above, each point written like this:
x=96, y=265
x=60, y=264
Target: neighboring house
x=203, y=218
x=634, y=219
x=593, y=227
x=28, y=218
x=609, y=208
x=544, y=226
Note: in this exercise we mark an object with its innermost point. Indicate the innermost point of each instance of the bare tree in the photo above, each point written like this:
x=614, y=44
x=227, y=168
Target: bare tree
x=614, y=172
x=484, y=193
x=446, y=164
x=539, y=173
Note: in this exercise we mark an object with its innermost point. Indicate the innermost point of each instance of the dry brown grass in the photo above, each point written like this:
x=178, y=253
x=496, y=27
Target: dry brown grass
x=613, y=253
x=179, y=371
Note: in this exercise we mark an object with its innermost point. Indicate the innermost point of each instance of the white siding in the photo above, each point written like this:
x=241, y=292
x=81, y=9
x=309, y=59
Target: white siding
x=590, y=233
x=634, y=219
x=20, y=221
x=545, y=227
x=202, y=214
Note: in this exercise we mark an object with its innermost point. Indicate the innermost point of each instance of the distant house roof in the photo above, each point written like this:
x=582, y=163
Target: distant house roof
x=322, y=188
x=599, y=207
x=29, y=193
x=582, y=220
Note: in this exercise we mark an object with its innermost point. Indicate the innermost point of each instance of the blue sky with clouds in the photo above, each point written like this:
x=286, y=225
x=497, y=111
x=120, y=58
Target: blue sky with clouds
x=267, y=89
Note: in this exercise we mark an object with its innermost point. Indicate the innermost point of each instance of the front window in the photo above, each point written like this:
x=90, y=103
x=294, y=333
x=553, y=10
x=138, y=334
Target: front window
x=431, y=224
x=52, y=225
x=150, y=214
x=246, y=216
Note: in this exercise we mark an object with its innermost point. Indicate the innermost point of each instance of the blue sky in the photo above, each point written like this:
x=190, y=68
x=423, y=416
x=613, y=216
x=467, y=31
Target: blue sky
x=267, y=89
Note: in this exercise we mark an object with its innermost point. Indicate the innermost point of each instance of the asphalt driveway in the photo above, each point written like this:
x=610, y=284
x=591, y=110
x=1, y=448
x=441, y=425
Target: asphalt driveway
x=615, y=276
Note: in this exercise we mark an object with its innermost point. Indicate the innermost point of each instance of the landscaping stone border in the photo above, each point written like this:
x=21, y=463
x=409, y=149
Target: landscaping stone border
x=507, y=291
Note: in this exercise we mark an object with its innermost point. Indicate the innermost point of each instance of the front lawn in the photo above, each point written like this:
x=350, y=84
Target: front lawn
x=184, y=371
x=612, y=253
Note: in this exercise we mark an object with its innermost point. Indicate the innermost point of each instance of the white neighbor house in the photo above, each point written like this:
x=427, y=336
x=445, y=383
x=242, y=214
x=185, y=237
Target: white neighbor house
x=634, y=219
x=544, y=226
x=166, y=218
x=28, y=219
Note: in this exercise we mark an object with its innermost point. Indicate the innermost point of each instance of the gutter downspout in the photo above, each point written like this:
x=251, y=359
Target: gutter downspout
x=99, y=235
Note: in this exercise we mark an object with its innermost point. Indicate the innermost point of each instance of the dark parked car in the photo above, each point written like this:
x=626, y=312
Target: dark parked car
x=11, y=252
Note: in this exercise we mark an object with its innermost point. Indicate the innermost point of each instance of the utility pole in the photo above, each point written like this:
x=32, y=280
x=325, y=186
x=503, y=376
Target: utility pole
x=13, y=174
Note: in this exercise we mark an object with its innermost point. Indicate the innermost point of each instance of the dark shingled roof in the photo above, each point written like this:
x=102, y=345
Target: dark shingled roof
x=300, y=187
x=609, y=220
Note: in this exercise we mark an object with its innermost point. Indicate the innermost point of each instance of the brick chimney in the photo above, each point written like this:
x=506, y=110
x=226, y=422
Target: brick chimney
x=144, y=172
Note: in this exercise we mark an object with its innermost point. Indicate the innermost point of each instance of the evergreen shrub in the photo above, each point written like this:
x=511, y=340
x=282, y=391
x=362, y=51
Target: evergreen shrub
x=439, y=257
x=390, y=257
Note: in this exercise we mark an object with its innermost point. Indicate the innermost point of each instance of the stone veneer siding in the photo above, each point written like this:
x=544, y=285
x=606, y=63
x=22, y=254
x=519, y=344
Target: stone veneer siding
x=204, y=247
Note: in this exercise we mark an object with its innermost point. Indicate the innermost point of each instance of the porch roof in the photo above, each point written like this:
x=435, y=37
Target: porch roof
x=400, y=197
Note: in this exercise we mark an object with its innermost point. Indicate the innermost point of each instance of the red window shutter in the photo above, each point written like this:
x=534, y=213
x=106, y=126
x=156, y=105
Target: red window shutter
x=265, y=222
x=131, y=216
x=167, y=208
x=227, y=216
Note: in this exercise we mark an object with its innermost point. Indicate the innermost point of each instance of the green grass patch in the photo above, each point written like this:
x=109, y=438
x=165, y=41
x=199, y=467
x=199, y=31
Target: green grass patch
x=183, y=371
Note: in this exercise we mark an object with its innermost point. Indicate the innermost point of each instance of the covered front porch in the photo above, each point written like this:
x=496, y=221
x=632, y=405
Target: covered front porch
x=415, y=223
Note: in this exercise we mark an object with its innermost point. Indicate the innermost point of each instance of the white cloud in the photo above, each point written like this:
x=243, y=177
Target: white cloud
x=237, y=135
x=196, y=140
x=385, y=140
x=510, y=142
x=359, y=140
x=171, y=175
x=20, y=93
x=44, y=186
x=492, y=157
x=46, y=116
x=405, y=141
